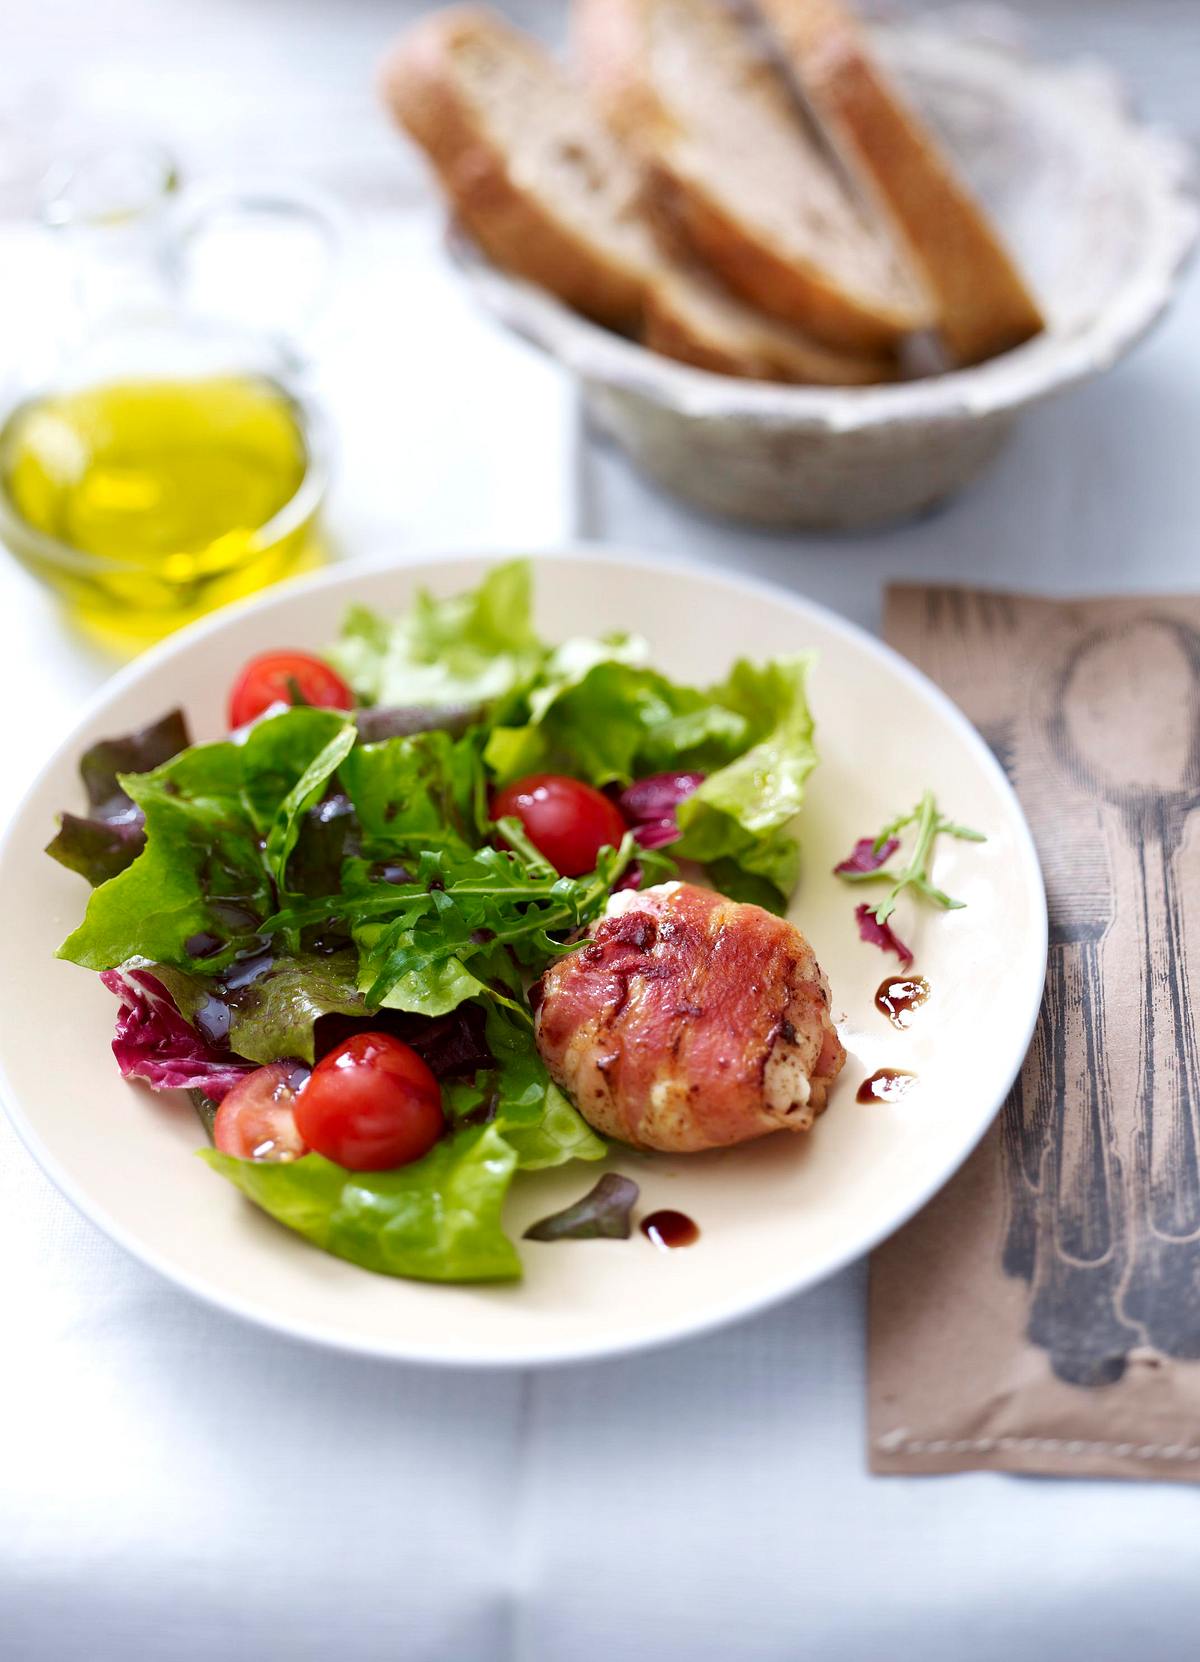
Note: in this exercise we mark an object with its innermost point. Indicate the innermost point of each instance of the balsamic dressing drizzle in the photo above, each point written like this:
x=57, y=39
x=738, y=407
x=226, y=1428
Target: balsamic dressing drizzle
x=886, y=1085
x=668, y=1229
x=898, y=996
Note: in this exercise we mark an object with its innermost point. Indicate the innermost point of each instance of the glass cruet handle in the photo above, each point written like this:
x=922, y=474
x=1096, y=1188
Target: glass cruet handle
x=107, y=205
x=260, y=256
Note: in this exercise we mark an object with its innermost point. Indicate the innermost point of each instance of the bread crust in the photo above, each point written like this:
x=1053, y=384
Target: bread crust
x=611, y=44
x=511, y=224
x=984, y=304
x=759, y=349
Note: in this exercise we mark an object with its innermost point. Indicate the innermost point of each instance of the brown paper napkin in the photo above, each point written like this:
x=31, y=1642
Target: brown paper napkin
x=1043, y=1313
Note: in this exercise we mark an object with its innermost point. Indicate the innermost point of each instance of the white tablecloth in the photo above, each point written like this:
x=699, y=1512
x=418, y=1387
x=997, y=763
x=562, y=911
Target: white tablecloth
x=174, y=1484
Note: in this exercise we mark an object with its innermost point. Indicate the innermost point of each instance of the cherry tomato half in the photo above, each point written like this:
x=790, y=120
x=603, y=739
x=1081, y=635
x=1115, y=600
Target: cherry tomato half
x=371, y=1104
x=565, y=819
x=286, y=678
x=256, y=1120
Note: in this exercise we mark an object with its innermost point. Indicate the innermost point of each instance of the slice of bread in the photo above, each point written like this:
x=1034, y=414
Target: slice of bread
x=689, y=317
x=747, y=181
x=551, y=196
x=530, y=175
x=984, y=306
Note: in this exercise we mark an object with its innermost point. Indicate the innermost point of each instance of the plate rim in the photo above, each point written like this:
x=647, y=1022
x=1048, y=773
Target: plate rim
x=720, y=1316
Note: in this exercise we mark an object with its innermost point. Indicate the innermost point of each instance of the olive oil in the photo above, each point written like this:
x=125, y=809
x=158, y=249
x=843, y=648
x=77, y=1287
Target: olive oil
x=146, y=502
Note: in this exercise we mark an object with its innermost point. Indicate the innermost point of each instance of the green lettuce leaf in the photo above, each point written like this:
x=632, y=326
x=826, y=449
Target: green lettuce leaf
x=220, y=822
x=587, y=711
x=436, y=1220
x=474, y=647
x=421, y=792
x=303, y=795
x=737, y=821
x=606, y=718
x=201, y=851
x=272, y=1017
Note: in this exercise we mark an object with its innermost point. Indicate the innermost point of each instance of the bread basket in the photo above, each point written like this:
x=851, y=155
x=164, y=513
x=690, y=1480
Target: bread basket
x=1095, y=205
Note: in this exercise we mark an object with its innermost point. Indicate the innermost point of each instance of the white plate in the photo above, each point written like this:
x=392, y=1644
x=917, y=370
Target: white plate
x=775, y=1216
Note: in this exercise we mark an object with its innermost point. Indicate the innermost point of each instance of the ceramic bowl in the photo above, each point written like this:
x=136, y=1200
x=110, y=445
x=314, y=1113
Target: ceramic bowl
x=1094, y=206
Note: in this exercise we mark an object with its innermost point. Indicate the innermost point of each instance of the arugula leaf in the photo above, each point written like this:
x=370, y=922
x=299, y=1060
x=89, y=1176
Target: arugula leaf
x=537, y=1120
x=472, y=648
x=930, y=824
x=452, y=921
x=435, y=1220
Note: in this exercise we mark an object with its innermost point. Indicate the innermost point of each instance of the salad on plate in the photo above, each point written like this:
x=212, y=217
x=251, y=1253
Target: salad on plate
x=449, y=905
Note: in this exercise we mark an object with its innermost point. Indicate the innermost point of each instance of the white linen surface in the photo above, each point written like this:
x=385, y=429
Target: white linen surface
x=174, y=1483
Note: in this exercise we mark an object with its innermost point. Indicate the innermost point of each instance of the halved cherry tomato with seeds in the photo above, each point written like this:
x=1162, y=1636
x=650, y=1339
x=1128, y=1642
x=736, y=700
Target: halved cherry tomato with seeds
x=286, y=678
x=256, y=1120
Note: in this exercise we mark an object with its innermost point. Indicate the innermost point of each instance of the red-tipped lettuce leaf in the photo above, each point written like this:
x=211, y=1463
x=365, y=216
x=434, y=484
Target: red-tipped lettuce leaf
x=101, y=844
x=138, y=752
x=603, y=1212
x=402, y=721
x=98, y=848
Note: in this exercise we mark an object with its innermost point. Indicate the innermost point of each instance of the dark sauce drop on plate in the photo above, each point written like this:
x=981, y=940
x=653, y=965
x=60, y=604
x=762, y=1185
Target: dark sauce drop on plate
x=886, y=1085
x=899, y=995
x=669, y=1229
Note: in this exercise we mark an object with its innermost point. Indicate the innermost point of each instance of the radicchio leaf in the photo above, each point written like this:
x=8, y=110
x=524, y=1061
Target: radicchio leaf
x=648, y=806
x=603, y=1211
x=453, y=1046
x=866, y=857
x=657, y=797
x=103, y=843
x=154, y=1043
x=881, y=935
x=656, y=833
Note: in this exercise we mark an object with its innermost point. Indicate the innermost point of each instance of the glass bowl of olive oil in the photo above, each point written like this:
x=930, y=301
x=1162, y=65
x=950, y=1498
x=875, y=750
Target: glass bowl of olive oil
x=145, y=501
x=169, y=463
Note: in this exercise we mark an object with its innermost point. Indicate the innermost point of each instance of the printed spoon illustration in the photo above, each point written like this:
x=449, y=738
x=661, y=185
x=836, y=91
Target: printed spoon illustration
x=1146, y=677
